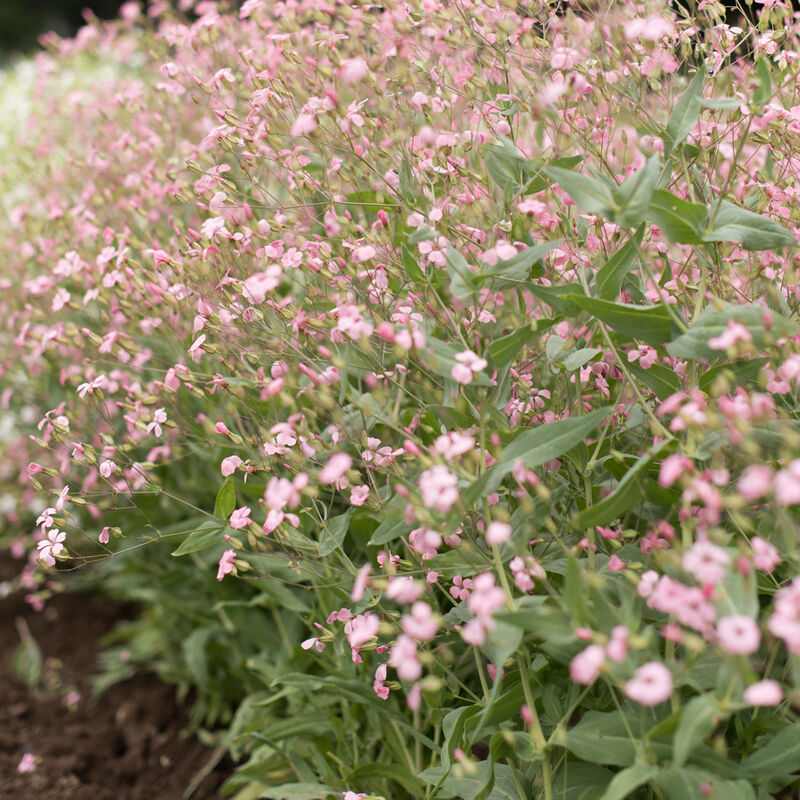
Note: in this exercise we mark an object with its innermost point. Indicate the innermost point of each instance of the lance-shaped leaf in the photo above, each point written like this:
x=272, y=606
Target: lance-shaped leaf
x=610, y=276
x=680, y=221
x=713, y=321
x=732, y=223
x=686, y=112
x=560, y=297
x=462, y=279
x=633, y=196
x=536, y=446
x=517, y=268
x=649, y=324
x=627, y=780
x=592, y=195
x=625, y=496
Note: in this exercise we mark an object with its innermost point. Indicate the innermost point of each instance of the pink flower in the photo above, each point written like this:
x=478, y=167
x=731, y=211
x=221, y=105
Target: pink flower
x=473, y=632
x=359, y=495
x=256, y=287
x=785, y=619
x=650, y=685
x=353, y=70
x=403, y=657
x=763, y=693
x=230, y=465
x=755, y=482
x=707, y=562
x=647, y=583
x=103, y=537
x=672, y=467
x=337, y=466
x=379, y=684
x=787, y=484
x=651, y=28
x=585, y=667
x=159, y=418
x=240, y=518
x=360, y=583
x=616, y=564
x=734, y=332
x=497, y=533
x=226, y=564
x=438, y=488
x=27, y=764
x=107, y=468
x=303, y=125
x=361, y=629
x=618, y=646
x=364, y=253
x=738, y=634
x=468, y=364
x=485, y=598
x=765, y=555
x=403, y=589
x=420, y=624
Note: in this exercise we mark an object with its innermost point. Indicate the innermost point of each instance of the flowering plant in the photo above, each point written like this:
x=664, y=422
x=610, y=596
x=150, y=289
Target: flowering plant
x=431, y=368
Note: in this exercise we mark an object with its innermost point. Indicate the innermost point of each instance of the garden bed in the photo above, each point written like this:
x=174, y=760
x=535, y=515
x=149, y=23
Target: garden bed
x=130, y=744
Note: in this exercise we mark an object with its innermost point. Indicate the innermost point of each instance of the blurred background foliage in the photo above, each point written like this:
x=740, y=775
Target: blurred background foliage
x=22, y=21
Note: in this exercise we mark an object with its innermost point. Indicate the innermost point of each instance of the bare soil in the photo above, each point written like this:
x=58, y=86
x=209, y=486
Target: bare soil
x=130, y=744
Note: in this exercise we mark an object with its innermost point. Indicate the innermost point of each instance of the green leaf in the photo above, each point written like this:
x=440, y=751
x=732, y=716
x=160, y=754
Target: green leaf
x=578, y=358
x=627, y=780
x=779, y=756
x=504, y=350
x=732, y=223
x=651, y=324
x=470, y=786
x=518, y=267
x=561, y=297
x=687, y=783
x=502, y=642
x=633, y=196
x=391, y=772
x=592, y=195
x=680, y=221
x=763, y=93
x=693, y=344
x=389, y=530
x=738, y=372
x=462, y=279
x=536, y=446
x=226, y=499
x=195, y=648
x=686, y=112
x=699, y=719
x=602, y=738
x=207, y=535
x=406, y=182
x=299, y=791
x=579, y=781
x=335, y=531
x=574, y=588
x=662, y=380
x=625, y=496
x=410, y=263
x=27, y=661
x=610, y=276
x=724, y=103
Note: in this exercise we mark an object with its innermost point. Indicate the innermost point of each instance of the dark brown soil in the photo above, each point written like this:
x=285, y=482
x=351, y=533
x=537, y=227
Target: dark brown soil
x=130, y=744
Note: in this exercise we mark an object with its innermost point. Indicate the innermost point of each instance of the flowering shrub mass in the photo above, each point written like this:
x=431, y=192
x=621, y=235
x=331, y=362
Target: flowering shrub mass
x=428, y=372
